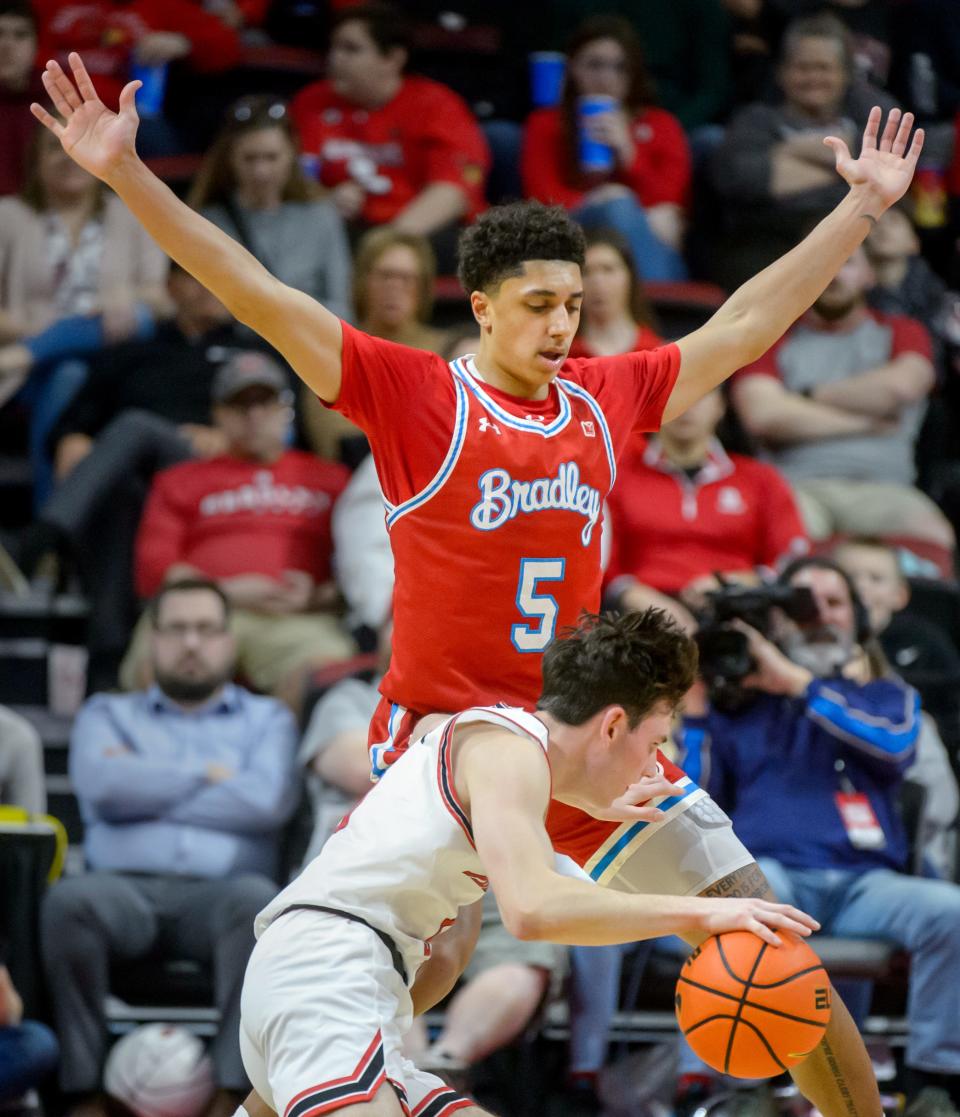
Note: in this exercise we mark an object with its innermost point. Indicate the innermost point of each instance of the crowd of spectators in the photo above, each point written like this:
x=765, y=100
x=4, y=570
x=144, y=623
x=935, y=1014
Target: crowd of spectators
x=177, y=472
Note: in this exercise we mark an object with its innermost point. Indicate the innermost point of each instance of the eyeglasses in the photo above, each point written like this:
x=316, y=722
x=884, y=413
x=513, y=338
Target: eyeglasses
x=249, y=107
x=180, y=630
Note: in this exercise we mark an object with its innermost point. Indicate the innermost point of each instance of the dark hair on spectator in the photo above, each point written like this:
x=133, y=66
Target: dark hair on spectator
x=216, y=180
x=23, y=9
x=640, y=309
x=186, y=585
x=824, y=25
x=501, y=240
x=33, y=191
x=641, y=91
x=372, y=245
x=387, y=25
x=633, y=660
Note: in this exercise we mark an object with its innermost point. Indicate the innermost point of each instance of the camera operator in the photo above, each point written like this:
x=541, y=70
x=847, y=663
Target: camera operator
x=810, y=765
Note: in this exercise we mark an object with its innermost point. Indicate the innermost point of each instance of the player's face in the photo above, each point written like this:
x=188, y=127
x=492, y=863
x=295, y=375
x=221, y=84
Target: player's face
x=632, y=752
x=875, y=574
x=191, y=646
x=261, y=162
x=18, y=49
x=601, y=67
x=527, y=325
x=606, y=283
x=393, y=289
x=813, y=77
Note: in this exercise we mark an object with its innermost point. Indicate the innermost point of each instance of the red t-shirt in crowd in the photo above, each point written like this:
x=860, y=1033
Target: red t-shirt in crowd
x=660, y=171
x=645, y=339
x=229, y=516
x=105, y=33
x=735, y=514
x=426, y=134
x=494, y=507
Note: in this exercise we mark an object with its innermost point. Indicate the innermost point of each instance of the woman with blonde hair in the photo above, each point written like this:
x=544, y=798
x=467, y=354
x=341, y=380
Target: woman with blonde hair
x=252, y=186
x=393, y=279
x=77, y=272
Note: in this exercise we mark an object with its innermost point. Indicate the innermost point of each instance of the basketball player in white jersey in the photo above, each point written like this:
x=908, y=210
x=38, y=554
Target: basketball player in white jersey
x=326, y=996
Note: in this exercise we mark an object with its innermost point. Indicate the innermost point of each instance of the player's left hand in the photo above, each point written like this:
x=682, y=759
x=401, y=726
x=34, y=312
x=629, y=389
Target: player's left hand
x=885, y=167
x=635, y=804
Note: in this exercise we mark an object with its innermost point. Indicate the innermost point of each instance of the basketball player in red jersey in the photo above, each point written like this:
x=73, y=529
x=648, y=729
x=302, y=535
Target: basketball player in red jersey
x=494, y=470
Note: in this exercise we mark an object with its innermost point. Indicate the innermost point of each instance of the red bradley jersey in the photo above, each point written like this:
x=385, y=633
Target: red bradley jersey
x=494, y=506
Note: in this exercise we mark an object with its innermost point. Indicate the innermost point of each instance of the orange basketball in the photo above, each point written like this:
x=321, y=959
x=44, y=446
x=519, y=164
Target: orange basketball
x=750, y=1009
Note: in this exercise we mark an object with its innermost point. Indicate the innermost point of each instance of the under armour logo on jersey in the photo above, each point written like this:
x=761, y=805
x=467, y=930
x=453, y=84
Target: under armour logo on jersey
x=535, y=418
x=588, y=428
x=486, y=424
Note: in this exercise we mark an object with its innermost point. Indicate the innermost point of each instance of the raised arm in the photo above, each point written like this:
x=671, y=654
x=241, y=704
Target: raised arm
x=103, y=143
x=760, y=311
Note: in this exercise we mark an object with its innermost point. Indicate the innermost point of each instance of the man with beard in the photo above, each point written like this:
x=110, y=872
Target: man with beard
x=838, y=401
x=183, y=789
x=810, y=771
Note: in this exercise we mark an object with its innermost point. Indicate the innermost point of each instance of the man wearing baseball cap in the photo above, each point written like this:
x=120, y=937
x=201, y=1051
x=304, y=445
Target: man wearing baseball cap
x=256, y=519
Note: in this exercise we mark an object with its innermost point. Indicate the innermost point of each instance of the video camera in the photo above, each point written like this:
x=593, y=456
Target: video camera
x=725, y=658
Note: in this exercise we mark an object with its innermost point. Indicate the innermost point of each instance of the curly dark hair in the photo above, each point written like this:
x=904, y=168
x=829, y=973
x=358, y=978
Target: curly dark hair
x=633, y=660
x=497, y=245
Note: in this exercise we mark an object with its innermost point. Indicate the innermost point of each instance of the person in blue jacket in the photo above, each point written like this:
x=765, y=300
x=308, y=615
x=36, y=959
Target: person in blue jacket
x=810, y=770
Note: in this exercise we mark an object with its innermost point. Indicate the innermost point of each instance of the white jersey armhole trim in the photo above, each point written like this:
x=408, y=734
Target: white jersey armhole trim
x=394, y=512
x=583, y=394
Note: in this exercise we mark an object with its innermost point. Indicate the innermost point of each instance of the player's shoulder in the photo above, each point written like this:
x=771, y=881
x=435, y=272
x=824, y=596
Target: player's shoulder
x=512, y=719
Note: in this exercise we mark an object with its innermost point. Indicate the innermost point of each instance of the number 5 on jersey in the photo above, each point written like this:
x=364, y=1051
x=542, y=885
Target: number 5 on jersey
x=535, y=604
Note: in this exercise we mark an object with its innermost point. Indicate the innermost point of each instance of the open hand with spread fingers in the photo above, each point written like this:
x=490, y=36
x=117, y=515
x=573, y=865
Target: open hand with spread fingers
x=884, y=168
x=93, y=136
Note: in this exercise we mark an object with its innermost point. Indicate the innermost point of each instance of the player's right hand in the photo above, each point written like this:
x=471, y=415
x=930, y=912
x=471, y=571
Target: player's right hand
x=761, y=917
x=93, y=136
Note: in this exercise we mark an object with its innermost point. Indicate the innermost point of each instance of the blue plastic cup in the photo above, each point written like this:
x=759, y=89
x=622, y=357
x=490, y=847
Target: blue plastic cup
x=593, y=156
x=150, y=95
x=547, y=68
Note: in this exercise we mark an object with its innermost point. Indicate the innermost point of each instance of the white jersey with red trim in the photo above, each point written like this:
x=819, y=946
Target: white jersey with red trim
x=404, y=859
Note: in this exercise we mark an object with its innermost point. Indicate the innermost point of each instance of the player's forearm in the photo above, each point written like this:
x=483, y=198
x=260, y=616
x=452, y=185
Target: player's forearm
x=767, y=305
x=222, y=265
x=572, y=912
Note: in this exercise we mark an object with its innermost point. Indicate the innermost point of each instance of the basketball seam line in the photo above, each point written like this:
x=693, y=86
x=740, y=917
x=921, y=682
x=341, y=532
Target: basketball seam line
x=752, y=1004
x=738, y=1018
x=747, y=1024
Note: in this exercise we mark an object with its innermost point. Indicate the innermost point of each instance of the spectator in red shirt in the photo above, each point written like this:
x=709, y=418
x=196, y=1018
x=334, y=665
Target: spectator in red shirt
x=257, y=520
x=393, y=149
x=645, y=193
x=19, y=85
x=683, y=509
x=115, y=35
x=615, y=315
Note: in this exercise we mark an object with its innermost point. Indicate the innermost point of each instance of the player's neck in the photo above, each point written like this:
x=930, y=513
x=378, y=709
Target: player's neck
x=565, y=754
x=523, y=386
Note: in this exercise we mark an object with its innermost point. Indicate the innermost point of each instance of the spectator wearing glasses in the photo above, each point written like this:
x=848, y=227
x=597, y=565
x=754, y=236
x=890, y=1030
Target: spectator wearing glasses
x=183, y=790
x=252, y=186
x=255, y=518
x=644, y=193
x=393, y=276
